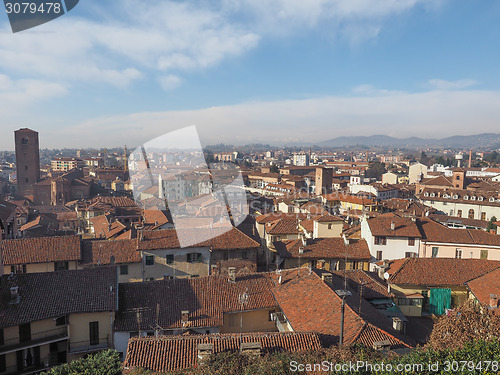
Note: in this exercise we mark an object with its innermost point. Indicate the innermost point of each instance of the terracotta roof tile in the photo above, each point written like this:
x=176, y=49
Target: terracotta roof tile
x=403, y=227
x=77, y=291
x=180, y=352
x=206, y=299
x=438, y=271
x=41, y=250
x=485, y=285
x=309, y=304
x=323, y=248
x=100, y=252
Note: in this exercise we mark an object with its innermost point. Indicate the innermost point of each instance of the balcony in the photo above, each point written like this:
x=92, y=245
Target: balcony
x=86, y=347
x=36, y=339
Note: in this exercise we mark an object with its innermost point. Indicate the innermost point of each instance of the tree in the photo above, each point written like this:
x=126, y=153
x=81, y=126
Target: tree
x=106, y=362
x=375, y=170
x=491, y=226
x=274, y=169
x=467, y=323
x=424, y=159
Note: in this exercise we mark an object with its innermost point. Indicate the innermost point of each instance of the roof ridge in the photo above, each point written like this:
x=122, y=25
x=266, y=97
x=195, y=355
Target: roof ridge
x=399, y=269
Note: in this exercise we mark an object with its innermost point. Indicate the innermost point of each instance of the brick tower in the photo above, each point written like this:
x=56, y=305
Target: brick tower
x=27, y=160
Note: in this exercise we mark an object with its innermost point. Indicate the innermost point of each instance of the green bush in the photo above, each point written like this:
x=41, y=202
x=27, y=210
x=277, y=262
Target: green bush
x=103, y=363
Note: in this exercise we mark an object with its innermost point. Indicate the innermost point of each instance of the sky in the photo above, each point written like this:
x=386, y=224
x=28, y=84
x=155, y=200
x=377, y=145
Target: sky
x=115, y=73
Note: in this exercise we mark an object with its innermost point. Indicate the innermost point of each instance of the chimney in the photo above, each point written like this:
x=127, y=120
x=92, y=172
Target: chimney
x=184, y=317
x=14, y=295
x=251, y=348
x=232, y=274
x=381, y=345
x=204, y=351
x=301, y=250
x=493, y=301
x=393, y=225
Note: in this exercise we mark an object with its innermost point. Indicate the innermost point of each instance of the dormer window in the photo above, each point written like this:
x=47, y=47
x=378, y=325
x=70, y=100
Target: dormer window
x=426, y=194
x=466, y=197
x=492, y=199
x=445, y=195
x=433, y=194
x=480, y=198
x=455, y=196
x=473, y=198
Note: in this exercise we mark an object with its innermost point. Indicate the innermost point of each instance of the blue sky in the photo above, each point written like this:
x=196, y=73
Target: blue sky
x=242, y=71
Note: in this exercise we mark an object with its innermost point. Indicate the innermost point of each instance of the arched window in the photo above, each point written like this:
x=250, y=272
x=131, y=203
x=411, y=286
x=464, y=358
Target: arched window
x=471, y=214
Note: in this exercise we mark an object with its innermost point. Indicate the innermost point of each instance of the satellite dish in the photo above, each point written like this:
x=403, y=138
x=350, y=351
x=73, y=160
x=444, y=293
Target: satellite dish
x=386, y=275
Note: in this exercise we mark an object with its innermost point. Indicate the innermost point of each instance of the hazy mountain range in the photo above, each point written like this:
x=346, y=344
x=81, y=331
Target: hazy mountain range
x=480, y=140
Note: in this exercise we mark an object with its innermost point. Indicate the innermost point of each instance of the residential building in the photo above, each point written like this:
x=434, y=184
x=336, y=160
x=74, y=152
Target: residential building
x=203, y=305
x=323, y=253
x=439, y=241
x=431, y=285
x=42, y=254
x=66, y=164
x=42, y=325
x=391, y=237
x=416, y=172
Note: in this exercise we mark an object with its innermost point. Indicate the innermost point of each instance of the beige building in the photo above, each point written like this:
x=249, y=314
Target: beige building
x=65, y=164
x=42, y=254
x=43, y=326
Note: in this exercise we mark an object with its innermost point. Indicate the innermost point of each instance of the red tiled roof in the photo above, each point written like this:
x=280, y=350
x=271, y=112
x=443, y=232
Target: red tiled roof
x=436, y=232
x=309, y=304
x=328, y=248
x=273, y=216
x=41, y=250
x=180, y=352
x=438, y=271
x=282, y=226
x=206, y=299
x=52, y=294
x=154, y=217
x=403, y=227
x=167, y=239
x=100, y=252
x=485, y=285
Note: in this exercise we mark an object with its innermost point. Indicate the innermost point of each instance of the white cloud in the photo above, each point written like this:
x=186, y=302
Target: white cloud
x=426, y=114
x=170, y=82
x=131, y=39
x=441, y=84
x=18, y=95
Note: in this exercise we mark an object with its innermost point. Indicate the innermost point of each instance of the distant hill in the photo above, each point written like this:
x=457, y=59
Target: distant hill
x=483, y=140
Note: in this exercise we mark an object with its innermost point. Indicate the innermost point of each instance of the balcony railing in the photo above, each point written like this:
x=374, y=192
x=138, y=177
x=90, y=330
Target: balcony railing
x=35, y=339
x=86, y=346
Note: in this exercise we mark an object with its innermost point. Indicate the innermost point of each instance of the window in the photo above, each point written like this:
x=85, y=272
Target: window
x=24, y=332
x=19, y=268
x=458, y=253
x=169, y=258
x=411, y=241
x=471, y=214
x=2, y=339
x=380, y=240
x=451, y=212
x=62, y=320
x=329, y=226
x=408, y=254
x=3, y=363
x=379, y=255
x=93, y=333
x=483, y=216
x=61, y=266
x=25, y=167
x=193, y=276
x=459, y=213
x=484, y=254
x=194, y=257
x=435, y=252
x=150, y=260
x=124, y=269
